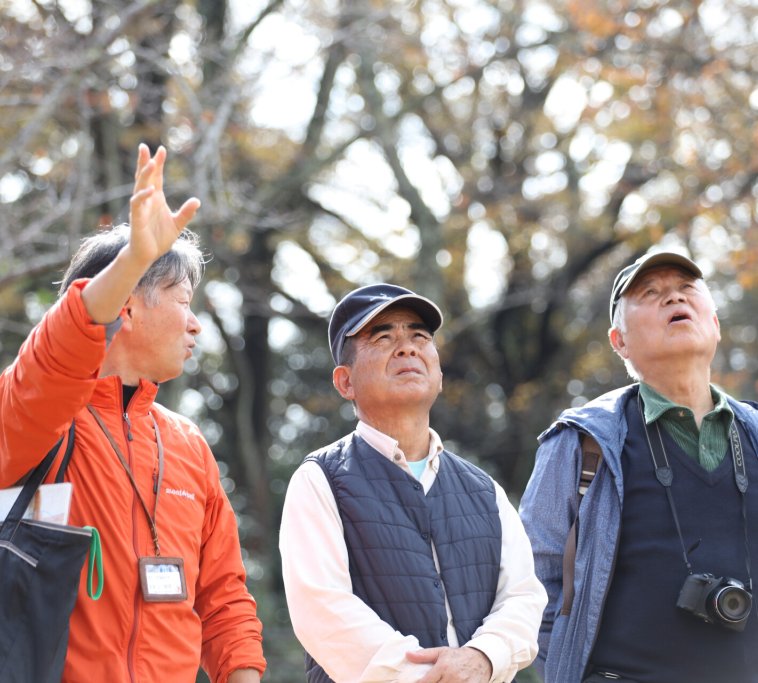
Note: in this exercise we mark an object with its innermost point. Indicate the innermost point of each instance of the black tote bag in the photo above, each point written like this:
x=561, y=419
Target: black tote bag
x=40, y=566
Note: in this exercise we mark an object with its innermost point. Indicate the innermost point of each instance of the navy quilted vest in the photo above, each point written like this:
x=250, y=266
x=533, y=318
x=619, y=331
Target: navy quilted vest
x=389, y=527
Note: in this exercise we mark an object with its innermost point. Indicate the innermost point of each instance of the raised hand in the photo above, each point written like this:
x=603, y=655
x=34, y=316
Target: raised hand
x=154, y=227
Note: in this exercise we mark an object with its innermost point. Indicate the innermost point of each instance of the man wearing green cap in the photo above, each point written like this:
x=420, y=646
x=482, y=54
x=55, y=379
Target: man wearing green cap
x=649, y=580
x=402, y=562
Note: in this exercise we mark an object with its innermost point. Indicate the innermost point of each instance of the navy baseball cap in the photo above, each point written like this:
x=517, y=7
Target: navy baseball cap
x=628, y=275
x=362, y=305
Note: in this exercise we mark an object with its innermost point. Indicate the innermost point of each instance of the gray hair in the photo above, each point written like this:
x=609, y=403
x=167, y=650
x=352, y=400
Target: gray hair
x=619, y=323
x=619, y=316
x=183, y=261
x=348, y=352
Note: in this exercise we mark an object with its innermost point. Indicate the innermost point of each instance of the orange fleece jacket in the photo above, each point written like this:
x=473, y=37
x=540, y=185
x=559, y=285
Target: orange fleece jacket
x=121, y=638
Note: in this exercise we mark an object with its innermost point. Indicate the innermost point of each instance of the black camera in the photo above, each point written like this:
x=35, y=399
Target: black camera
x=717, y=600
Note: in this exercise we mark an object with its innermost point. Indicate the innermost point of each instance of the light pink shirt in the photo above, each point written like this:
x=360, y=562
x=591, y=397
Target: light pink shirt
x=343, y=634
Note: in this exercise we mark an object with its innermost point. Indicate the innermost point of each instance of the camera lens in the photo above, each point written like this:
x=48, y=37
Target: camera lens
x=732, y=603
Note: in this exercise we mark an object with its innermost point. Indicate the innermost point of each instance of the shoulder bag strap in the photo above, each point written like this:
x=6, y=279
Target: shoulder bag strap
x=33, y=481
x=67, y=454
x=592, y=456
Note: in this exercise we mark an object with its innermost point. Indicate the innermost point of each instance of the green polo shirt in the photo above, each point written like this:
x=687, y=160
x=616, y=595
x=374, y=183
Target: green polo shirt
x=708, y=445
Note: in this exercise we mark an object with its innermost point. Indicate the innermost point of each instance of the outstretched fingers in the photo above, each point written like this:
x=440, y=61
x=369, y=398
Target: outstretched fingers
x=149, y=170
x=186, y=213
x=160, y=161
x=140, y=196
x=154, y=227
x=144, y=179
x=143, y=157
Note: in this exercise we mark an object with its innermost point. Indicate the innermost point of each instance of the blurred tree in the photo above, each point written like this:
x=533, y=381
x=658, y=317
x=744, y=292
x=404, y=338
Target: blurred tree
x=504, y=157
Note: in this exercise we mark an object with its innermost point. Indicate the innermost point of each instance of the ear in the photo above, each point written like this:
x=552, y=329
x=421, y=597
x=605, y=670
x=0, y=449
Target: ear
x=341, y=378
x=616, y=338
x=127, y=313
x=718, y=325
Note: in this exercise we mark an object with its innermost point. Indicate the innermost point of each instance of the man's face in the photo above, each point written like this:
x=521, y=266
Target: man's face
x=669, y=314
x=162, y=335
x=396, y=366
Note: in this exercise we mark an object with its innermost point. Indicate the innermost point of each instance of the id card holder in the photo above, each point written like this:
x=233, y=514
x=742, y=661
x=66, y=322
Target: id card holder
x=162, y=579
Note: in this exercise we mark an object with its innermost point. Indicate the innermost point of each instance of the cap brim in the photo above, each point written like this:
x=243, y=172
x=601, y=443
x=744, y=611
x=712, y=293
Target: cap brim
x=661, y=259
x=424, y=307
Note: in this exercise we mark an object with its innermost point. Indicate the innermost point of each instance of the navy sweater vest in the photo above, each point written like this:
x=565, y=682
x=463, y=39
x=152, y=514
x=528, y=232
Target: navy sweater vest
x=389, y=526
x=643, y=635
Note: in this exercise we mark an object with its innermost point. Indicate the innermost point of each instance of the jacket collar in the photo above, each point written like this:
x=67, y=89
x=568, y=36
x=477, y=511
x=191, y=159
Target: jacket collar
x=604, y=419
x=109, y=391
x=601, y=417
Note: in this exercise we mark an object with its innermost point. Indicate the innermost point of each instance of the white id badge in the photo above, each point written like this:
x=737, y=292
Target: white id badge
x=162, y=579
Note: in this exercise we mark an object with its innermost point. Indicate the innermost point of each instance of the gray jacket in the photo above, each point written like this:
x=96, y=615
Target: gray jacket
x=548, y=509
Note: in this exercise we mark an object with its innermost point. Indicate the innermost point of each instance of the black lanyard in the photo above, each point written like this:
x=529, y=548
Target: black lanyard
x=665, y=476
x=152, y=520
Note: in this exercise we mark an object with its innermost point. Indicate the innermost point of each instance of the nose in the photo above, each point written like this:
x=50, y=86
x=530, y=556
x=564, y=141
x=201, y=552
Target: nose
x=674, y=296
x=405, y=346
x=193, y=324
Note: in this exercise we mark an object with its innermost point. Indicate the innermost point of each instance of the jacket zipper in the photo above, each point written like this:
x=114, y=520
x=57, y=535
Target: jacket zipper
x=135, y=546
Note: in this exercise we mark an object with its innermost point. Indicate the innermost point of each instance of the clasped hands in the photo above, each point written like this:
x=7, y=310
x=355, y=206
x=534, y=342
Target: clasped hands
x=453, y=665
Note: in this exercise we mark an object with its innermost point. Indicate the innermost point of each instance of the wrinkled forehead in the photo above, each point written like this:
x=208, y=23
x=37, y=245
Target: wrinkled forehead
x=183, y=285
x=167, y=287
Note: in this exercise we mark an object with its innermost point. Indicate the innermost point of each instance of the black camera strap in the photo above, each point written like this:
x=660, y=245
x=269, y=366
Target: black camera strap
x=665, y=476
x=740, y=478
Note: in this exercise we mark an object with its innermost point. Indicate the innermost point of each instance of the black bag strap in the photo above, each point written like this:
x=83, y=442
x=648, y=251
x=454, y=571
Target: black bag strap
x=67, y=455
x=592, y=456
x=35, y=479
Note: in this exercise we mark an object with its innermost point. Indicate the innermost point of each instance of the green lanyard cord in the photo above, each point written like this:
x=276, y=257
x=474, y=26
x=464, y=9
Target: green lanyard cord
x=95, y=556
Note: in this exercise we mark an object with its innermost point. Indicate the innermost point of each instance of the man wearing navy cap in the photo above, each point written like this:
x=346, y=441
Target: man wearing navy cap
x=665, y=536
x=402, y=561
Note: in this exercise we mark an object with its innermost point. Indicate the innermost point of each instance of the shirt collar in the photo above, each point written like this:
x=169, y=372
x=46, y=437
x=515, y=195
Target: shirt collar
x=388, y=446
x=656, y=404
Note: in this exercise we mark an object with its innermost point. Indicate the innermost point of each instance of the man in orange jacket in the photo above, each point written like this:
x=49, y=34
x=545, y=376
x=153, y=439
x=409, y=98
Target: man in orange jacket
x=143, y=475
